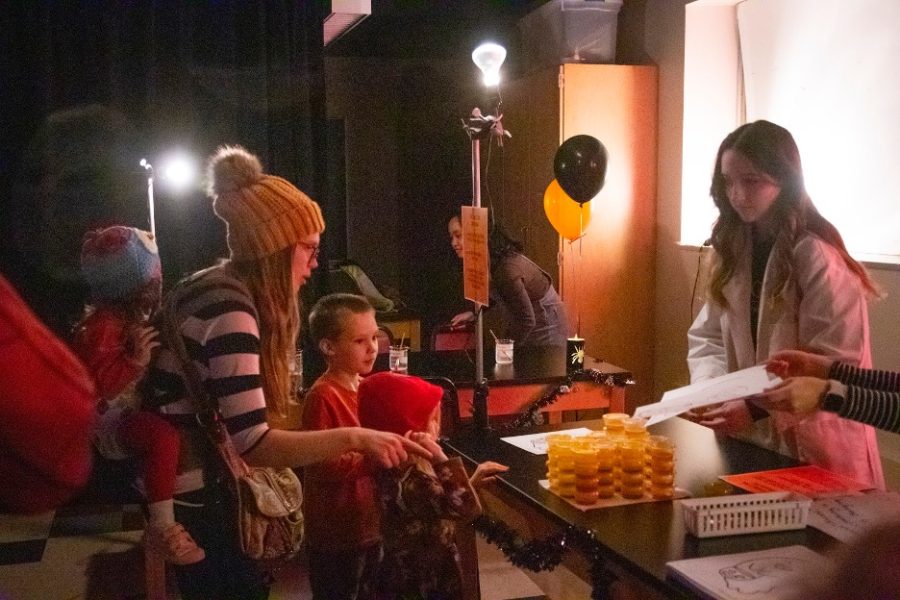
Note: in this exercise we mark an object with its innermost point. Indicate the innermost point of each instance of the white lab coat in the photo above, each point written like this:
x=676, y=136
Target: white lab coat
x=823, y=310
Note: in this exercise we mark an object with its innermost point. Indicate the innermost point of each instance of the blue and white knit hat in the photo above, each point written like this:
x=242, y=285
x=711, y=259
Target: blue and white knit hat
x=118, y=260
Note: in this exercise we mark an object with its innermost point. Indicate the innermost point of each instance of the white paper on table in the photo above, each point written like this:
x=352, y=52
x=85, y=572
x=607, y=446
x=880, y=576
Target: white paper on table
x=536, y=443
x=733, y=386
x=771, y=574
x=846, y=517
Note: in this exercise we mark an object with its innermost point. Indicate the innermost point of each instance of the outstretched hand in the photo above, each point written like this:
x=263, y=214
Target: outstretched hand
x=388, y=449
x=428, y=442
x=729, y=417
x=797, y=363
x=797, y=395
x=486, y=473
x=462, y=318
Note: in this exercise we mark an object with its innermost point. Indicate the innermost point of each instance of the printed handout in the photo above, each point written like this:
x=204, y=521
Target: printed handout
x=733, y=386
x=536, y=443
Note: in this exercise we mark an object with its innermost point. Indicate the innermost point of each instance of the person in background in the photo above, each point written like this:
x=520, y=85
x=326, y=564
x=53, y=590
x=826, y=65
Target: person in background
x=813, y=382
x=240, y=320
x=342, y=527
x=122, y=268
x=535, y=313
x=782, y=278
x=47, y=413
x=420, y=500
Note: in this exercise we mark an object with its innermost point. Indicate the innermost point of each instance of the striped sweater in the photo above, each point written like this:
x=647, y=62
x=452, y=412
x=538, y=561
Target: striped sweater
x=871, y=397
x=220, y=329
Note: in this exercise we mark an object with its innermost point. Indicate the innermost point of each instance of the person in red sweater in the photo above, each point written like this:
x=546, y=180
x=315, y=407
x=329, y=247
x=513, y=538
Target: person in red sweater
x=121, y=265
x=46, y=412
x=342, y=520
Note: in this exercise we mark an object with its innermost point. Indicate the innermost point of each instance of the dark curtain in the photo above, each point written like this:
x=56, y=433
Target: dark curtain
x=90, y=88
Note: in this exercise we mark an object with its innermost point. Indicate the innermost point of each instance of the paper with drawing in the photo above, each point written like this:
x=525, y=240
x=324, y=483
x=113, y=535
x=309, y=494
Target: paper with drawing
x=733, y=386
x=769, y=574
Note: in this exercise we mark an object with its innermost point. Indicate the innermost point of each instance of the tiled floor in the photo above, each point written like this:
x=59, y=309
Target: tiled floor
x=93, y=553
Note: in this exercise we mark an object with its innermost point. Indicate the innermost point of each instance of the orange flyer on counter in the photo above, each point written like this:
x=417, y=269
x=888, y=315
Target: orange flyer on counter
x=808, y=480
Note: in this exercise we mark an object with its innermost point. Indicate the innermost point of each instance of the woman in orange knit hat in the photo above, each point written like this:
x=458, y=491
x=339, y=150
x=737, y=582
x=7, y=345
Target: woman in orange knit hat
x=240, y=320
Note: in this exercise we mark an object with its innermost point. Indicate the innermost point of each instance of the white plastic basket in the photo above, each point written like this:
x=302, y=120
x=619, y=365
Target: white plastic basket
x=746, y=513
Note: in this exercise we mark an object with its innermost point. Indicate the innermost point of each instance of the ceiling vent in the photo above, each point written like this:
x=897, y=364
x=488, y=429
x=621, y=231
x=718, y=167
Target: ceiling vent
x=344, y=16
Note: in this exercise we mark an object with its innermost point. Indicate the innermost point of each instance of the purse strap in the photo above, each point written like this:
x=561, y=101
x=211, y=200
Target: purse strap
x=206, y=408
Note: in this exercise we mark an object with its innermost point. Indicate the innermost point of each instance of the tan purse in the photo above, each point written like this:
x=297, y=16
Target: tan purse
x=267, y=500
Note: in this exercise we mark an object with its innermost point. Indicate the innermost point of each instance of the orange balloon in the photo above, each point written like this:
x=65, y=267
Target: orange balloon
x=569, y=218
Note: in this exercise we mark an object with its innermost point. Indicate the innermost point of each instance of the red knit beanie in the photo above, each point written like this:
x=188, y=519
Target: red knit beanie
x=397, y=403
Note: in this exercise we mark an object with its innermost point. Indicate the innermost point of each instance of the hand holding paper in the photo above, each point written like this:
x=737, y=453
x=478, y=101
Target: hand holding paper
x=733, y=386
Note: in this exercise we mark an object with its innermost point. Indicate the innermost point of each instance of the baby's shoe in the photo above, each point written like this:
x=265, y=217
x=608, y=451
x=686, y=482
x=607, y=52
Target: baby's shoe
x=174, y=544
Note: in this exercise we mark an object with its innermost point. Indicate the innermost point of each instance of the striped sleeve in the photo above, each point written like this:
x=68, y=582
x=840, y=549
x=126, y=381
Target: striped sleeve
x=885, y=381
x=878, y=408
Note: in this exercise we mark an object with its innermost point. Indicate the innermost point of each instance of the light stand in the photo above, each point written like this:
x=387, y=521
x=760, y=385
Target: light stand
x=149, y=168
x=488, y=57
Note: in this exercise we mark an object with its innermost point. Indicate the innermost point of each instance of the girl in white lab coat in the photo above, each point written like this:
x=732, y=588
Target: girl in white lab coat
x=781, y=279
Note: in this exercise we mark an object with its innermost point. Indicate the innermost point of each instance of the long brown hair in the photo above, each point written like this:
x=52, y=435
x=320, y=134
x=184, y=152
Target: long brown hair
x=269, y=281
x=772, y=149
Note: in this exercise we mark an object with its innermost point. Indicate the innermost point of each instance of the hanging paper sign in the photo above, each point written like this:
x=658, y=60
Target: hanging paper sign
x=476, y=265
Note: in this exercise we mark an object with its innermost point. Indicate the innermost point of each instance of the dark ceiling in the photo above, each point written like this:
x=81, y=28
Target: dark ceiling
x=435, y=29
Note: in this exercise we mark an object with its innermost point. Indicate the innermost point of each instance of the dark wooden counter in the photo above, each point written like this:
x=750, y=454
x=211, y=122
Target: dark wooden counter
x=637, y=539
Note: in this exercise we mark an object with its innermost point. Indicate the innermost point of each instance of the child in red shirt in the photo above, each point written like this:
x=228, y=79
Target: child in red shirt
x=339, y=505
x=121, y=265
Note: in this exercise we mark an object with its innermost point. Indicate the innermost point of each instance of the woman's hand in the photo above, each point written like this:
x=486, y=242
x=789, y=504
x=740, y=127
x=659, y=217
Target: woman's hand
x=462, y=319
x=729, y=417
x=427, y=441
x=796, y=363
x=486, y=473
x=387, y=449
x=143, y=341
x=797, y=395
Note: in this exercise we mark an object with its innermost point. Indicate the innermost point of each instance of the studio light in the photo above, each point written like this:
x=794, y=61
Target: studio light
x=489, y=58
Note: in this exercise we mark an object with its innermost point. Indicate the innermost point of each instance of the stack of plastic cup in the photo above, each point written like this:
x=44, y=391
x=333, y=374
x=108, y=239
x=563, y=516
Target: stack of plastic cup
x=606, y=464
x=631, y=460
x=662, y=466
x=555, y=442
x=614, y=423
x=586, y=471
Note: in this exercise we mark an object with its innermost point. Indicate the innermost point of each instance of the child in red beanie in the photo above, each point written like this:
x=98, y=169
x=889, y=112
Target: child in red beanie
x=121, y=265
x=421, y=500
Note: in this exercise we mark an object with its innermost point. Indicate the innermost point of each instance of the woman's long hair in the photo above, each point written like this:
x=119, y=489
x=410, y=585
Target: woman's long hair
x=270, y=283
x=500, y=244
x=772, y=149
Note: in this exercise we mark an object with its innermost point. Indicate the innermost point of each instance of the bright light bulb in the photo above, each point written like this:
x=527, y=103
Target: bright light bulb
x=179, y=172
x=489, y=58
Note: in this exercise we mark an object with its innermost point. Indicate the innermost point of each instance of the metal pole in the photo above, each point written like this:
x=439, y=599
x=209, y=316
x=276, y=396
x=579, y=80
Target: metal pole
x=480, y=395
x=149, y=168
x=476, y=202
x=150, y=204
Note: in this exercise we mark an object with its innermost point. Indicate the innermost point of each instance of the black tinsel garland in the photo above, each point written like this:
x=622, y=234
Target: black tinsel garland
x=546, y=554
x=531, y=415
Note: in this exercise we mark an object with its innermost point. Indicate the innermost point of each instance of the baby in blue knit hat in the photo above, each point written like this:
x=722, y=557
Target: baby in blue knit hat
x=121, y=265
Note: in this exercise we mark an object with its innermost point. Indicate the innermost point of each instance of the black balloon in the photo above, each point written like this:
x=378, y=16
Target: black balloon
x=580, y=167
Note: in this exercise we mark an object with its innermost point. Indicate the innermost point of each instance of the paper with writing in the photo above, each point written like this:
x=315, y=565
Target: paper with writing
x=733, y=386
x=808, y=480
x=536, y=443
x=847, y=517
x=476, y=265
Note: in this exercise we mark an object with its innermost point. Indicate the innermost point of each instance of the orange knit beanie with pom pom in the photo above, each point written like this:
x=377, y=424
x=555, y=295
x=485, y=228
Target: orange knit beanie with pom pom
x=264, y=213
